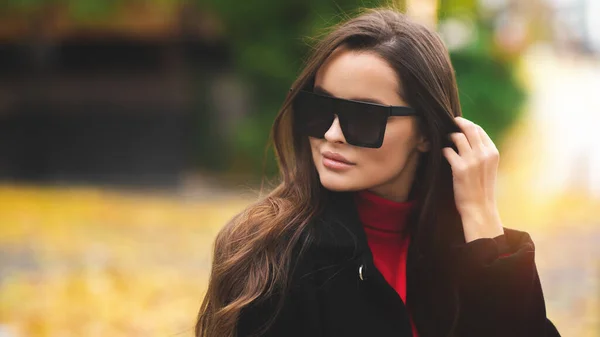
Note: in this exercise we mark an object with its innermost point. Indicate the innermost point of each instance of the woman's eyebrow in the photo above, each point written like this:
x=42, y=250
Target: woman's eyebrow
x=319, y=90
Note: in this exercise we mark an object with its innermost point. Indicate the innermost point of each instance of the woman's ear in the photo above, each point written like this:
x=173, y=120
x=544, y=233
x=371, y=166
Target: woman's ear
x=423, y=144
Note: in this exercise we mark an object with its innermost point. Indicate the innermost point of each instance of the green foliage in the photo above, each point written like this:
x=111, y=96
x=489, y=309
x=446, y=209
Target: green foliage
x=267, y=45
x=489, y=92
x=78, y=9
x=449, y=8
x=20, y=5
x=92, y=10
x=267, y=40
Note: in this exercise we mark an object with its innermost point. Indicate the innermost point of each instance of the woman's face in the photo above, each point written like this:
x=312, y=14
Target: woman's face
x=388, y=170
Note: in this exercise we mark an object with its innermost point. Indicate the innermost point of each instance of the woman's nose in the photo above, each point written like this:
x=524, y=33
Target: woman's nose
x=335, y=134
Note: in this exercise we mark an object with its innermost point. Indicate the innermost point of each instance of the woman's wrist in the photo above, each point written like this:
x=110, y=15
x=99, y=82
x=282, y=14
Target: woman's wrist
x=479, y=225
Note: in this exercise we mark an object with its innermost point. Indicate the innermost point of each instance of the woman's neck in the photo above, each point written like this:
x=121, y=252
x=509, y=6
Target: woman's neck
x=381, y=213
x=395, y=197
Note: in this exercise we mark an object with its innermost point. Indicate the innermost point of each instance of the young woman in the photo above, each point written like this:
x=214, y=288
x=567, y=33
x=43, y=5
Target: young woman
x=385, y=221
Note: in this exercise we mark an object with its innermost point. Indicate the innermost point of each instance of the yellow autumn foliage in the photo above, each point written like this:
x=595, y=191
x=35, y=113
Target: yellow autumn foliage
x=92, y=262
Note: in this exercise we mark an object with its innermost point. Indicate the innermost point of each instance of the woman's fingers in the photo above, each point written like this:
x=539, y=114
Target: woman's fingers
x=485, y=138
x=471, y=131
x=475, y=147
x=453, y=158
x=461, y=142
x=490, y=158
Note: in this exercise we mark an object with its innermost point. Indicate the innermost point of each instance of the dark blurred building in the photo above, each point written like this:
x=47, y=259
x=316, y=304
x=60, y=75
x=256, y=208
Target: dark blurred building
x=103, y=100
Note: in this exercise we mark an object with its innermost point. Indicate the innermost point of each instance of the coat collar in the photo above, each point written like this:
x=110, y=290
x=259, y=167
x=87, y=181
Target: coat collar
x=341, y=238
x=340, y=235
x=338, y=228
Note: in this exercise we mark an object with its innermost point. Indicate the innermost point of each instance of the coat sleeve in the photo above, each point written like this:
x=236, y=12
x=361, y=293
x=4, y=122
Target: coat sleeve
x=298, y=316
x=500, y=290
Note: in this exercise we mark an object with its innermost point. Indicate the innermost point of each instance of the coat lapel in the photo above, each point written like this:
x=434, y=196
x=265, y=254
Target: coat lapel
x=341, y=236
x=339, y=230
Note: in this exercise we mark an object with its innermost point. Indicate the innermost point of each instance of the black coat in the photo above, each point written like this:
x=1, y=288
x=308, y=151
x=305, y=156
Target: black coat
x=336, y=290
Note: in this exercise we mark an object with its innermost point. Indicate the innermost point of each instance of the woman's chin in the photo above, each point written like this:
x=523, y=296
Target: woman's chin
x=338, y=184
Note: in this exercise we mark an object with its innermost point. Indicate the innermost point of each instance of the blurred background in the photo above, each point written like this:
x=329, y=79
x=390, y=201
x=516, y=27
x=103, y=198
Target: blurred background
x=132, y=130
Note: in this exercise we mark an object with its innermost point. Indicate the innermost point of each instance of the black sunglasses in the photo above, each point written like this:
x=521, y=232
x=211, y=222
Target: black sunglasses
x=362, y=123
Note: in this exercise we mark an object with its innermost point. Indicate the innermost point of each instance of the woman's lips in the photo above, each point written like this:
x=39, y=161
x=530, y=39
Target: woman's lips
x=336, y=161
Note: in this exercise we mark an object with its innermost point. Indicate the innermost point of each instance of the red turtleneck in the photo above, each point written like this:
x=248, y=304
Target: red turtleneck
x=384, y=222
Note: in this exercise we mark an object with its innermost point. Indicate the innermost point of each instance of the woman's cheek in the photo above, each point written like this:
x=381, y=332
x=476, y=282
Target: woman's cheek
x=386, y=162
x=371, y=168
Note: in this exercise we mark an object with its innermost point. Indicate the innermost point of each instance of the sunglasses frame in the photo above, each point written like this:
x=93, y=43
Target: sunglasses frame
x=392, y=110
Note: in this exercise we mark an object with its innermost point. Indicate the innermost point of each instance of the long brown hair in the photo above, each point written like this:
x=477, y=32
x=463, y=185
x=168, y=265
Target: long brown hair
x=252, y=252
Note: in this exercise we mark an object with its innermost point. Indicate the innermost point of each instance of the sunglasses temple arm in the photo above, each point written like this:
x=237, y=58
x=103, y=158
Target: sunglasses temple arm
x=402, y=111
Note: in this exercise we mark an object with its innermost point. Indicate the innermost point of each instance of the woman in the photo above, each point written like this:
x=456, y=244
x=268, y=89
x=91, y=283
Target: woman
x=385, y=221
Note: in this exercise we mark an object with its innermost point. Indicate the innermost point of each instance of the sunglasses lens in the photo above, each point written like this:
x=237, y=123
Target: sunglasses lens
x=313, y=114
x=363, y=124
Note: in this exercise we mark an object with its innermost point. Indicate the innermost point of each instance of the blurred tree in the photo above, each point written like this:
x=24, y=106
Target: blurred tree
x=265, y=39
x=84, y=10
x=449, y=8
x=489, y=92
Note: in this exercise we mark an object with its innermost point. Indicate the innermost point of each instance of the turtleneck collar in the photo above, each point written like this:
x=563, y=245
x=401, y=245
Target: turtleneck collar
x=382, y=214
